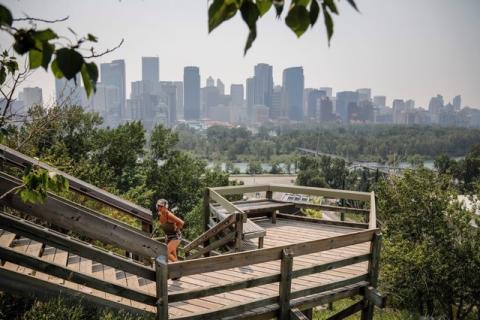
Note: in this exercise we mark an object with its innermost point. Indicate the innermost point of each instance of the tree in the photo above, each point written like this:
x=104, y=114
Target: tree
x=430, y=258
x=301, y=14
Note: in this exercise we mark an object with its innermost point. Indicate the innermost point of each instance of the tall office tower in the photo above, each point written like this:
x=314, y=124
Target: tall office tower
x=151, y=69
x=31, y=97
x=293, y=85
x=380, y=101
x=410, y=104
x=263, y=85
x=276, y=109
x=328, y=91
x=326, y=110
x=220, y=87
x=69, y=92
x=169, y=97
x=457, y=103
x=345, y=100
x=436, y=104
x=250, y=92
x=313, y=103
x=191, y=93
x=399, y=108
x=210, y=82
x=364, y=94
x=113, y=74
x=236, y=95
x=104, y=97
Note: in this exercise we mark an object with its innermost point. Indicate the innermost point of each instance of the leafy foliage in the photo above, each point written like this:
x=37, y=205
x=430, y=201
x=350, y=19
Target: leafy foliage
x=37, y=182
x=301, y=15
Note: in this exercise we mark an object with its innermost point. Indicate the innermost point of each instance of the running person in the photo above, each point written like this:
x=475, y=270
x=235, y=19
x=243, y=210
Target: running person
x=172, y=227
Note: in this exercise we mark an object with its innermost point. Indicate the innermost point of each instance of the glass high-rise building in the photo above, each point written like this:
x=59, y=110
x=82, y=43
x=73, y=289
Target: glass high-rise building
x=113, y=74
x=191, y=93
x=236, y=95
x=151, y=69
x=345, y=100
x=293, y=85
x=263, y=84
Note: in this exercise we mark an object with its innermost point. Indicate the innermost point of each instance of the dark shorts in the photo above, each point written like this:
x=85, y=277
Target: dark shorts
x=170, y=237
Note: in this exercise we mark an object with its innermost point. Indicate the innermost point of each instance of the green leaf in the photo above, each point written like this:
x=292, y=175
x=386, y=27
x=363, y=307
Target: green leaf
x=56, y=70
x=11, y=65
x=35, y=57
x=298, y=19
x=250, y=13
x=328, y=23
x=331, y=5
x=89, y=77
x=48, y=50
x=278, y=4
x=5, y=16
x=251, y=37
x=69, y=62
x=3, y=75
x=44, y=35
x=314, y=11
x=92, y=38
x=301, y=2
x=263, y=6
x=353, y=4
x=220, y=11
x=24, y=41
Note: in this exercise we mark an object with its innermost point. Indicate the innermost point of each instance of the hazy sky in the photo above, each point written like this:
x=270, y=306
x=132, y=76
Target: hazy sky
x=399, y=48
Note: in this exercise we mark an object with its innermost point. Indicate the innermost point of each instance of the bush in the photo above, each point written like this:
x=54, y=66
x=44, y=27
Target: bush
x=54, y=309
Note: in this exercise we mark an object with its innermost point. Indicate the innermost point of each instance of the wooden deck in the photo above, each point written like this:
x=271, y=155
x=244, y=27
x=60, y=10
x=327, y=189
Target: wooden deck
x=282, y=233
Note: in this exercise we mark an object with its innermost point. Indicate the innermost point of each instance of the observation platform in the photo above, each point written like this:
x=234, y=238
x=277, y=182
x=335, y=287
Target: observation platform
x=302, y=262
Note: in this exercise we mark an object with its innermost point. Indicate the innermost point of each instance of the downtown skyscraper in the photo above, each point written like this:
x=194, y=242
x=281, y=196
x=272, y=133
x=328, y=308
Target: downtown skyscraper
x=263, y=85
x=191, y=93
x=151, y=69
x=113, y=74
x=293, y=85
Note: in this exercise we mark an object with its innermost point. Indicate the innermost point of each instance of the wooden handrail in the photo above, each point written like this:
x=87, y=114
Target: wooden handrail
x=20, y=160
x=240, y=259
x=71, y=216
x=372, y=218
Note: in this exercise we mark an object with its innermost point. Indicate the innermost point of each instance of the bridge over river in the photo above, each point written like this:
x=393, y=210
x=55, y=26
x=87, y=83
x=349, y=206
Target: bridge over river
x=257, y=259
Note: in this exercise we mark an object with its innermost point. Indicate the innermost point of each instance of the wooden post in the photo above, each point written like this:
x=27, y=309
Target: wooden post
x=269, y=195
x=206, y=216
x=274, y=216
x=286, y=268
x=260, y=242
x=238, y=231
x=161, y=271
x=146, y=227
x=367, y=313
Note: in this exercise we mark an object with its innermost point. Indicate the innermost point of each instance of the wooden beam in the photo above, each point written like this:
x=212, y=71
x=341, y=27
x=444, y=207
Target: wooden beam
x=58, y=240
x=329, y=286
x=285, y=285
x=61, y=272
x=241, y=189
x=330, y=265
x=233, y=260
x=161, y=270
x=372, y=219
x=367, y=313
x=330, y=208
x=20, y=160
x=374, y=296
x=322, y=192
x=39, y=289
x=296, y=314
x=212, y=246
x=329, y=222
x=214, y=231
x=70, y=216
x=230, y=207
x=360, y=305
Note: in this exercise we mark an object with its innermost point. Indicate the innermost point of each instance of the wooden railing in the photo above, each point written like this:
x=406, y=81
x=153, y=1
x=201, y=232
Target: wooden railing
x=58, y=240
x=364, y=197
x=20, y=160
x=286, y=299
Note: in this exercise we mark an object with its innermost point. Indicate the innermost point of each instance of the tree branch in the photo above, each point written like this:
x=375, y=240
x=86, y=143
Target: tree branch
x=96, y=55
x=12, y=190
x=27, y=18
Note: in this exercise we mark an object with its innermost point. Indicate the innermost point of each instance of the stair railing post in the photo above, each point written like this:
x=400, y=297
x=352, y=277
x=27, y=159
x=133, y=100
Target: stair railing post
x=239, y=220
x=373, y=265
x=206, y=216
x=161, y=276
x=285, y=287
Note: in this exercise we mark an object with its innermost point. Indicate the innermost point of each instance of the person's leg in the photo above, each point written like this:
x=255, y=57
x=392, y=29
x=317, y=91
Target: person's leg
x=172, y=249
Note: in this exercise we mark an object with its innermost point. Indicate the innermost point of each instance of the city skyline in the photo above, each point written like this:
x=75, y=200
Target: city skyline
x=415, y=54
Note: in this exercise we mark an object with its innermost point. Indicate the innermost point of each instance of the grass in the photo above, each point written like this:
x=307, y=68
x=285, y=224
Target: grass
x=387, y=314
